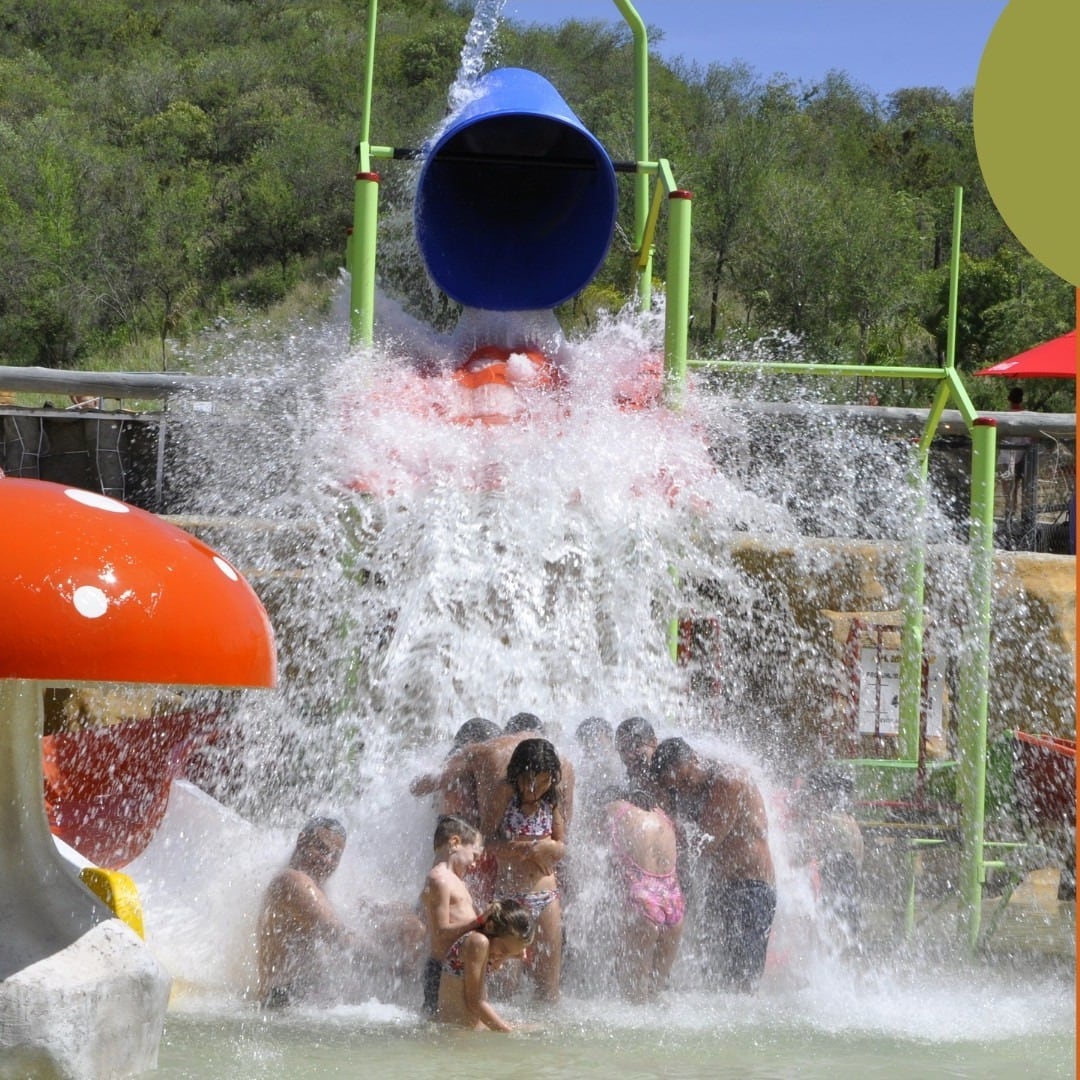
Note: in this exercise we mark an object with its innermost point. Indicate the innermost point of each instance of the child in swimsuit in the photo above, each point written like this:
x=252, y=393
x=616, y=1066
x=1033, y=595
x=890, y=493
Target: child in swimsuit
x=644, y=851
x=506, y=933
x=447, y=904
x=530, y=841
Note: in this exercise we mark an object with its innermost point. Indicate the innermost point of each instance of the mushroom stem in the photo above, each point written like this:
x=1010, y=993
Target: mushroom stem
x=44, y=907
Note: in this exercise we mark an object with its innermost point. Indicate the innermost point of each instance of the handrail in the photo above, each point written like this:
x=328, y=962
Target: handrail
x=138, y=385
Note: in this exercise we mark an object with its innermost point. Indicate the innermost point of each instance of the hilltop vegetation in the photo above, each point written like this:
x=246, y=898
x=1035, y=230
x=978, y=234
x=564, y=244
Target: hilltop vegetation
x=161, y=165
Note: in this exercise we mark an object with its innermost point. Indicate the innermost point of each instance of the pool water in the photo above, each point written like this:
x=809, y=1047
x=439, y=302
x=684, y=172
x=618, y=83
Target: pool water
x=1009, y=1024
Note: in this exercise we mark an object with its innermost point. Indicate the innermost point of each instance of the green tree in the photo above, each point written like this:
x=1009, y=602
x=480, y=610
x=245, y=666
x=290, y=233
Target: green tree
x=739, y=139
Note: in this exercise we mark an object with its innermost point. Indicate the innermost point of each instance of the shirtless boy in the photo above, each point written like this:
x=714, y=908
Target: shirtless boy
x=726, y=805
x=448, y=906
x=455, y=783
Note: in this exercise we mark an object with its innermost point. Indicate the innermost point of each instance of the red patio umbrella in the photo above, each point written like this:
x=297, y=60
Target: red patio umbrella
x=1051, y=360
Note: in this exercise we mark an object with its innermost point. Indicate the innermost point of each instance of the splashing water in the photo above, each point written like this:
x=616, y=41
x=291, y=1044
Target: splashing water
x=479, y=40
x=421, y=569
x=486, y=569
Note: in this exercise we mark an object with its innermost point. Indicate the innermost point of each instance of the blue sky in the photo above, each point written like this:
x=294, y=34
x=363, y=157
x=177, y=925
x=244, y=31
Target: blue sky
x=882, y=44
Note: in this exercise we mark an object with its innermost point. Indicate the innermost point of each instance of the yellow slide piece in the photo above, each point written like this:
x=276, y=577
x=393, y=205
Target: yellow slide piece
x=118, y=891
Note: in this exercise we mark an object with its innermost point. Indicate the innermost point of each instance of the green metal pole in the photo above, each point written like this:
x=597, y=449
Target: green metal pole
x=913, y=604
x=954, y=277
x=641, y=146
x=369, y=78
x=912, y=645
x=360, y=253
x=362, y=268
x=677, y=313
x=974, y=674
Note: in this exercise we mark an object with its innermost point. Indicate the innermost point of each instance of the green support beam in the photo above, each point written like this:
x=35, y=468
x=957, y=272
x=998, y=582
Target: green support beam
x=677, y=319
x=360, y=251
x=975, y=663
x=641, y=151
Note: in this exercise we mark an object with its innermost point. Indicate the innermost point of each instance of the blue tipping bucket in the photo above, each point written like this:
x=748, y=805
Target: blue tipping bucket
x=516, y=201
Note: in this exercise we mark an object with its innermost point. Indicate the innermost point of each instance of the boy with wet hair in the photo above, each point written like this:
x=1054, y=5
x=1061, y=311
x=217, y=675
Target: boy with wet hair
x=595, y=734
x=727, y=807
x=476, y=729
x=454, y=783
x=448, y=905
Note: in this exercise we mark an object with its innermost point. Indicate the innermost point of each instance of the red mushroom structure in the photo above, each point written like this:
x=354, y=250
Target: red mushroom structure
x=91, y=590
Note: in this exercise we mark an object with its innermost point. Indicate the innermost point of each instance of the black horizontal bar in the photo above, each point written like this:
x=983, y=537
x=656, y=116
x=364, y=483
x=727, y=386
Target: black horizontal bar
x=407, y=153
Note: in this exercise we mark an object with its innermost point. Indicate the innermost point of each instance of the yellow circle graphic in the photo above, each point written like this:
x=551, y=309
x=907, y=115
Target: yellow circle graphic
x=1027, y=127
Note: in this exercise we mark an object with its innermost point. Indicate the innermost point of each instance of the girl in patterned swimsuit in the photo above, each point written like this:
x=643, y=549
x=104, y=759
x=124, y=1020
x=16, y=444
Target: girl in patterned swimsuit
x=529, y=843
x=506, y=933
x=644, y=850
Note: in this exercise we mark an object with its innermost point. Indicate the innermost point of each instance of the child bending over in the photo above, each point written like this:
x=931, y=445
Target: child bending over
x=506, y=933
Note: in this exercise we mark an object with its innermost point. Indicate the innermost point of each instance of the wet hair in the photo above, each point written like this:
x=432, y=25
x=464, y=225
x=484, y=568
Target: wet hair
x=532, y=756
x=593, y=731
x=635, y=729
x=475, y=730
x=313, y=825
x=609, y=794
x=523, y=721
x=640, y=798
x=669, y=754
x=509, y=918
x=448, y=825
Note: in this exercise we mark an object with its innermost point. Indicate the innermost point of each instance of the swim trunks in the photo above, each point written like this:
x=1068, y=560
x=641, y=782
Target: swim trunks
x=432, y=979
x=742, y=913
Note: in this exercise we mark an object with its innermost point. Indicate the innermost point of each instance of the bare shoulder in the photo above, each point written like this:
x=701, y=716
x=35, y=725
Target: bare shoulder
x=475, y=947
x=733, y=780
x=291, y=882
x=461, y=761
x=438, y=878
x=294, y=895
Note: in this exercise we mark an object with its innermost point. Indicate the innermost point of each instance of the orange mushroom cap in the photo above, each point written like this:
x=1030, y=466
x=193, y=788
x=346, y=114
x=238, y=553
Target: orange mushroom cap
x=95, y=590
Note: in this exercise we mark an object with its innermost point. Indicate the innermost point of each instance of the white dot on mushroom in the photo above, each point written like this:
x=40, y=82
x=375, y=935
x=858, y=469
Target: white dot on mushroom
x=90, y=601
x=226, y=569
x=96, y=501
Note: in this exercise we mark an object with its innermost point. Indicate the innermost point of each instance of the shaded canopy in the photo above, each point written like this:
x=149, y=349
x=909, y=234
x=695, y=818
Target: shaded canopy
x=1054, y=359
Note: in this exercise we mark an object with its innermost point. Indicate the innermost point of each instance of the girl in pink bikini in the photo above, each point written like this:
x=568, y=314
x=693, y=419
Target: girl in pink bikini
x=643, y=848
x=529, y=843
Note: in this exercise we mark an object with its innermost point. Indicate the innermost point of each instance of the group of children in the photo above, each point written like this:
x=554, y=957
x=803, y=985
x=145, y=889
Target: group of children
x=494, y=892
x=492, y=902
